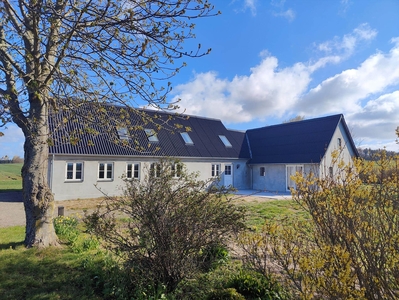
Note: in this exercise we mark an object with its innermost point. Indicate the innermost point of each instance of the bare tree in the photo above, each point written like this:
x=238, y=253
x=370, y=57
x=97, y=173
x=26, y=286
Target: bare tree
x=59, y=53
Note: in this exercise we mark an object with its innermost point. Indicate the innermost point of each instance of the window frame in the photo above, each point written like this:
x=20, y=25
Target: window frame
x=339, y=142
x=155, y=170
x=225, y=141
x=123, y=133
x=133, y=171
x=106, y=178
x=74, y=171
x=151, y=135
x=176, y=170
x=215, y=170
x=228, y=169
x=186, y=138
x=262, y=171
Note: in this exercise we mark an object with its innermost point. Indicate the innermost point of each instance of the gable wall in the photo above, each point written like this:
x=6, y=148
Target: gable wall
x=90, y=185
x=346, y=152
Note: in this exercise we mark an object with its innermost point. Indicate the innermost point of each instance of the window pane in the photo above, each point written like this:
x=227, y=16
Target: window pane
x=151, y=135
x=79, y=168
x=101, y=171
x=129, y=171
x=227, y=170
x=69, y=170
x=186, y=137
x=109, y=171
x=225, y=141
x=136, y=170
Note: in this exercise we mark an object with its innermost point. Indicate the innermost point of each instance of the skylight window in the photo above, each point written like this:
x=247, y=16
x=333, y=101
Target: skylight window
x=225, y=141
x=186, y=137
x=151, y=135
x=123, y=133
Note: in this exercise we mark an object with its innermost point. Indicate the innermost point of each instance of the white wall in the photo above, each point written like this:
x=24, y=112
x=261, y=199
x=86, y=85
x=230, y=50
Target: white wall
x=92, y=187
x=346, y=152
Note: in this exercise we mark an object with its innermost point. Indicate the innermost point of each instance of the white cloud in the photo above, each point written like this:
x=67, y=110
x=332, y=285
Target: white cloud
x=345, y=91
x=346, y=45
x=251, y=5
x=368, y=95
x=378, y=119
x=263, y=93
x=289, y=14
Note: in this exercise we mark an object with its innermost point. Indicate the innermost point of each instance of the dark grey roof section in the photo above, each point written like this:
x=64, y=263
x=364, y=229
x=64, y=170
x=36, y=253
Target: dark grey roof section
x=73, y=134
x=297, y=142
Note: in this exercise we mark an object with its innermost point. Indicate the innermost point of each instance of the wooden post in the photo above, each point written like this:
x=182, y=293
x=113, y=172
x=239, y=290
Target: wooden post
x=60, y=211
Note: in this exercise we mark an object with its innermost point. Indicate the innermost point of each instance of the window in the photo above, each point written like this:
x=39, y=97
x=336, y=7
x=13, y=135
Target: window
x=132, y=171
x=155, y=170
x=227, y=170
x=225, y=141
x=262, y=171
x=74, y=171
x=186, y=137
x=106, y=171
x=151, y=135
x=339, y=143
x=215, y=170
x=123, y=133
x=331, y=172
x=176, y=170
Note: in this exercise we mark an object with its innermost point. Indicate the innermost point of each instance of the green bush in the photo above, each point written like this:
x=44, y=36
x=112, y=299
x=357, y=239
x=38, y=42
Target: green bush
x=253, y=285
x=173, y=221
x=225, y=294
x=213, y=256
x=67, y=229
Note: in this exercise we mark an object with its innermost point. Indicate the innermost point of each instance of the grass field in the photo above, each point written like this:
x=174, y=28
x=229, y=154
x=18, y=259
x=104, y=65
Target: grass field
x=10, y=177
x=62, y=273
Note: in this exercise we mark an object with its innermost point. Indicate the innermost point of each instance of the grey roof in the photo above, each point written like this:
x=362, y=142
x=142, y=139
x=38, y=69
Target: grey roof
x=73, y=125
x=296, y=142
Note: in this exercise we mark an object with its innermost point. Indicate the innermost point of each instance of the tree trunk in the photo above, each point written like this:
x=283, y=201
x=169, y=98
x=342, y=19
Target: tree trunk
x=37, y=196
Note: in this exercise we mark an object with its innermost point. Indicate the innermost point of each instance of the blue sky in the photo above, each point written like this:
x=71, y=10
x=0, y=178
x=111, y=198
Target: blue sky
x=274, y=60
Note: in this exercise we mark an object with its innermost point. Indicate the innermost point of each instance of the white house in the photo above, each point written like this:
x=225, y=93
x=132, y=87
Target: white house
x=87, y=156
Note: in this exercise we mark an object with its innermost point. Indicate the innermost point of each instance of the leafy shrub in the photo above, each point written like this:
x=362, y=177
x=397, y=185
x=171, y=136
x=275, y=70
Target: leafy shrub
x=225, y=294
x=170, y=221
x=67, y=229
x=213, y=256
x=349, y=249
x=253, y=285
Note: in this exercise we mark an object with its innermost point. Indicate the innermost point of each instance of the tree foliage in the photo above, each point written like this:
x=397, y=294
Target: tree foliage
x=350, y=249
x=59, y=53
x=171, y=222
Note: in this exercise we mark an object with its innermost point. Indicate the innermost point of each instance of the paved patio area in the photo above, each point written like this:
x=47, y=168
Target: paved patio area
x=266, y=194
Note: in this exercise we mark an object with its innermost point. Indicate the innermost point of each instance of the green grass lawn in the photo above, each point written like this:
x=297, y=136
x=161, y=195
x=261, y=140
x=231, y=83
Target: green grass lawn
x=53, y=273
x=64, y=273
x=259, y=211
x=10, y=177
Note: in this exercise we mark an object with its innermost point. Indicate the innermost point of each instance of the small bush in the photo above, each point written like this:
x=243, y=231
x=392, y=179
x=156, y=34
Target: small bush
x=213, y=256
x=170, y=221
x=225, y=294
x=67, y=229
x=254, y=285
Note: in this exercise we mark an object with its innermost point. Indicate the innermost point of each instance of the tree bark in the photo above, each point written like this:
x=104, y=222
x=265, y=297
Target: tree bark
x=37, y=196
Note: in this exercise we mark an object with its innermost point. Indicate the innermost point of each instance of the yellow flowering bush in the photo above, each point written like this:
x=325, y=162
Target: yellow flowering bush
x=350, y=248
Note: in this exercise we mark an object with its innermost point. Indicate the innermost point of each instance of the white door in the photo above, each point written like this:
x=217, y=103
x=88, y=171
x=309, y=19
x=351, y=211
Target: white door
x=228, y=175
x=291, y=171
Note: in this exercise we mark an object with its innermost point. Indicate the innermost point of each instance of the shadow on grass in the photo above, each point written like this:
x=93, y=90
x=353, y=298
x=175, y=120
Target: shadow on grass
x=53, y=273
x=12, y=245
